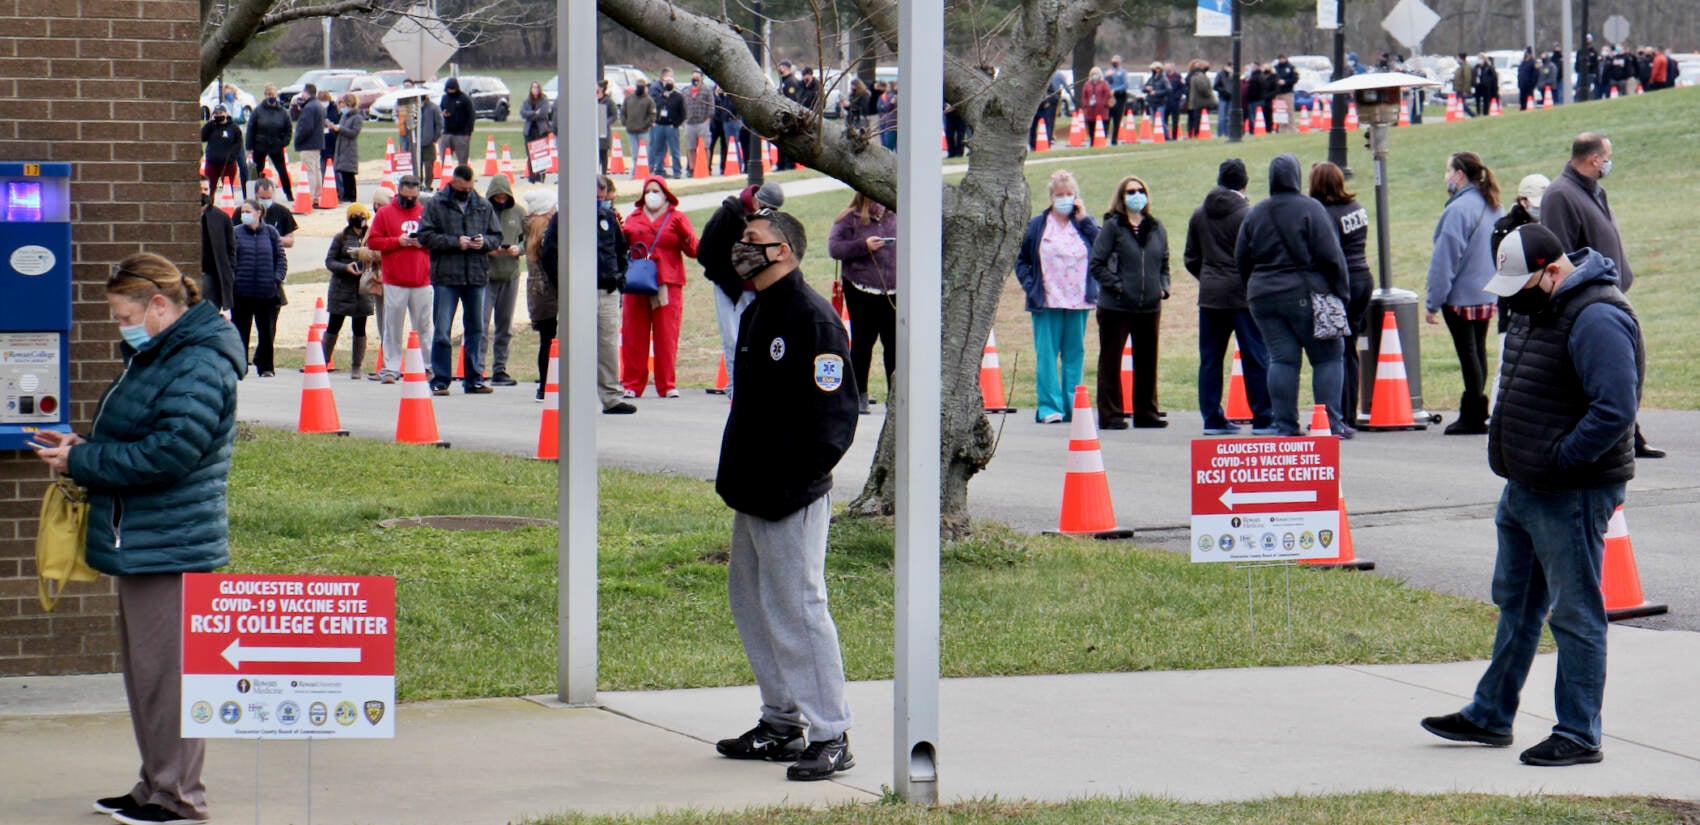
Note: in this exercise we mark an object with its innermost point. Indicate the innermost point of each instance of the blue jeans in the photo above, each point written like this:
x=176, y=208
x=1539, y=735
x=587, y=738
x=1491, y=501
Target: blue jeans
x=471, y=301
x=1214, y=327
x=1059, y=335
x=1551, y=546
x=663, y=141
x=1288, y=328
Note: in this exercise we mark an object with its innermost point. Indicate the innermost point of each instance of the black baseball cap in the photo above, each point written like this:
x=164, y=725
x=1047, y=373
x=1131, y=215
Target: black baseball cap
x=1529, y=249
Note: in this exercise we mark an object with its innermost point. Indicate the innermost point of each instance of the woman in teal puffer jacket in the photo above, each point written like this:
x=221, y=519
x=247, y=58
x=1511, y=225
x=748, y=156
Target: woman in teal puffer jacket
x=156, y=464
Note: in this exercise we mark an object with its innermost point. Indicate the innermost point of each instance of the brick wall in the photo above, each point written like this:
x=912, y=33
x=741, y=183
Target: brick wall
x=112, y=87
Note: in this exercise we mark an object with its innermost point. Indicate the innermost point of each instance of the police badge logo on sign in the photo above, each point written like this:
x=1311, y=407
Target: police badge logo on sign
x=829, y=372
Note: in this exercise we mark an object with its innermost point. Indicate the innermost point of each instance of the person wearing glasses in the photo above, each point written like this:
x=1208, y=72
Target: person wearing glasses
x=156, y=465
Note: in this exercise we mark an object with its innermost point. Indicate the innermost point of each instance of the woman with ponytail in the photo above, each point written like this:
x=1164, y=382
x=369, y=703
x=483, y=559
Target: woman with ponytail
x=1460, y=268
x=156, y=463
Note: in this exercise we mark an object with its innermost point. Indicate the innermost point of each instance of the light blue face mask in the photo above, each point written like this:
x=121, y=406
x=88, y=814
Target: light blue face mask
x=1063, y=204
x=136, y=336
x=1136, y=201
x=605, y=204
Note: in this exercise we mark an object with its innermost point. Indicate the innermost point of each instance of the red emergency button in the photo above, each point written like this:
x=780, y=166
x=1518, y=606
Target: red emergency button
x=47, y=404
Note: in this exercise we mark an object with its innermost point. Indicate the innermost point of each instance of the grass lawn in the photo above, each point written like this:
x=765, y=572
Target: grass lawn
x=477, y=610
x=1385, y=808
x=1656, y=168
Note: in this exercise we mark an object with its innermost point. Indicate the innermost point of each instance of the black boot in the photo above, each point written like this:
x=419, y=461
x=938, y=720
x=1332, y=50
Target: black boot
x=329, y=346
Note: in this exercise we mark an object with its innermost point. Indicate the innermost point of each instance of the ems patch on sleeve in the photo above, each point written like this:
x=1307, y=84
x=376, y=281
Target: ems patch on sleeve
x=829, y=372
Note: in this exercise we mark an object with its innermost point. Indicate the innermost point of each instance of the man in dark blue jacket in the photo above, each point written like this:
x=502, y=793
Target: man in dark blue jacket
x=791, y=421
x=461, y=231
x=458, y=115
x=1560, y=436
x=310, y=139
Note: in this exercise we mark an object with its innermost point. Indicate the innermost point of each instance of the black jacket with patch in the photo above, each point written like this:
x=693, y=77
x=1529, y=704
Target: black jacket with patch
x=794, y=412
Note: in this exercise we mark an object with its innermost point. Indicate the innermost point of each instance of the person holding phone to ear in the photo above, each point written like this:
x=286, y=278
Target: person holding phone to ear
x=861, y=241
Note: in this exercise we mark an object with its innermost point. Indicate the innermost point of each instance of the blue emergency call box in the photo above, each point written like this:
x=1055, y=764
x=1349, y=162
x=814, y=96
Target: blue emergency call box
x=35, y=300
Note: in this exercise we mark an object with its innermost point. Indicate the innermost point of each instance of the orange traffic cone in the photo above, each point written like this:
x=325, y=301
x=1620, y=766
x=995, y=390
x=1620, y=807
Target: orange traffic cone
x=1614, y=93
x=417, y=421
x=1127, y=378
x=699, y=161
x=771, y=156
x=1204, y=128
x=641, y=169
x=303, y=192
x=616, y=160
x=730, y=167
x=721, y=379
x=447, y=169
x=318, y=405
x=1086, y=506
x=1076, y=132
x=1391, y=407
x=1239, y=409
x=1099, y=139
x=491, y=169
x=1128, y=135
x=549, y=429
x=327, y=190
x=1257, y=129
x=389, y=153
x=555, y=156
x=1158, y=133
x=1404, y=113
x=1620, y=582
x=1316, y=121
x=227, y=199
x=1042, y=141
x=991, y=378
x=460, y=363
x=1144, y=128
x=390, y=174
x=1302, y=120
x=1451, y=107
x=1546, y=101
x=1347, y=558
x=507, y=167
x=1352, y=116
x=1493, y=107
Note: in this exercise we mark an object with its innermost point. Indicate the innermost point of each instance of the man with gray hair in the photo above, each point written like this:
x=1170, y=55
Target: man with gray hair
x=714, y=252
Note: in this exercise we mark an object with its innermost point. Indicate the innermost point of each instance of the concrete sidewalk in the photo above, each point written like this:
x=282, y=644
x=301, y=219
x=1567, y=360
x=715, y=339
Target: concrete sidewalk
x=1198, y=735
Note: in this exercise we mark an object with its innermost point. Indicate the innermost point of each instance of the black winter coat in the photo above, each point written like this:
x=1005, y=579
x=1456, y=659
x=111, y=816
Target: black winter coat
x=269, y=128
x=458, y=114
x=440, y=229
x=1131, y=266
x=223, y=140
x=344, y=296
x=218, y=258
x=1209, y=254
x=795, y=412
x=1287, y=243
x=714, y=246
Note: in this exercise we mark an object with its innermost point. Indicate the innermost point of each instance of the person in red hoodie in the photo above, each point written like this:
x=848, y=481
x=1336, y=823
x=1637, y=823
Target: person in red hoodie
x=407, y=274
x=656, y=318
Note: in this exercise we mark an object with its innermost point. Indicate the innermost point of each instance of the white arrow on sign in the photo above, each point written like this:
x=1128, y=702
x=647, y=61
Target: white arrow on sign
x=236, y=654
x=1231, y=498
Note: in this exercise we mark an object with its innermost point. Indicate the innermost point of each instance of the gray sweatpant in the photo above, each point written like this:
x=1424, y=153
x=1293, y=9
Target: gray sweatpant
x=402, y=303
x=150, y=638
x=776, y=581
x=499, y=321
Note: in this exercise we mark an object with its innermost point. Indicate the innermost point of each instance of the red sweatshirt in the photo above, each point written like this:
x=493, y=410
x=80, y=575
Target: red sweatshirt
x=403, y=266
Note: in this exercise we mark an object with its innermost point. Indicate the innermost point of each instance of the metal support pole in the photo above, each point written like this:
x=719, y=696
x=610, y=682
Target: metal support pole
x=327, y=28
x=1236, y=110
x=1337, y=119
x=1567, y=42
x=1529, y=24
x=1586, y=90
x=576, y=565
x=920, y=196
x=1383, y=242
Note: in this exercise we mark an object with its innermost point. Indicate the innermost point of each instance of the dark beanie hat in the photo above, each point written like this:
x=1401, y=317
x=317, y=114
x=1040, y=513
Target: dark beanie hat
x=1231, y=174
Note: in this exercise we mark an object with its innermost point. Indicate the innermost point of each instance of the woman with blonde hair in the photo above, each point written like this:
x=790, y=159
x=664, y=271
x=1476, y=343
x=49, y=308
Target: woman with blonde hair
x=1051, y=267
x=156, y=464
x=1130, y=263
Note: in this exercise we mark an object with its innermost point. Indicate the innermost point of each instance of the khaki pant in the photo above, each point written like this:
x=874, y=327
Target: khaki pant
x=315, y=173
x=608, y=388
x=150, y=634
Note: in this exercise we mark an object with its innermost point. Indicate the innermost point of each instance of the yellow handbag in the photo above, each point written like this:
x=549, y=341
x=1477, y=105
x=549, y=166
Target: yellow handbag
x=59, y=542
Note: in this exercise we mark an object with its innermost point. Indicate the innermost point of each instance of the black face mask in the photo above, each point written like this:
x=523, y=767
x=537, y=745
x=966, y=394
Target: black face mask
x=406, y=201
x=357, y=224
x=1529, y=301
x=462, y=195
x=749, y=259
x=502, y=205
x=206, y=199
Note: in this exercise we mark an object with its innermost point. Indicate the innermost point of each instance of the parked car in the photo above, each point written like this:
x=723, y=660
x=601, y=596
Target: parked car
x=384, y=107
x=1313, y=63
x=240, y=108
x=392, y=78
x=489, y=96
x=1505, y=62
x=317, y=77
x=1689, y=64
x=366, y=88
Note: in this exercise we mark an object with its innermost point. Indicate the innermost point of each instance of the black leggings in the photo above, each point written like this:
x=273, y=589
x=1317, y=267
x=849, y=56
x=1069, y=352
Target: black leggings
x=334, y=326
x=1469, y=340
x=546, y=333
x=872, y=318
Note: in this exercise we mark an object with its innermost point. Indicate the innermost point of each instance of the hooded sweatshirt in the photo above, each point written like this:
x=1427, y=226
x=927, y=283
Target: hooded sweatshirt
x=714, y=249
x=403, y=266
x=678, y=240
x=1287, y=244
x=1210, y=236
x=504, y=267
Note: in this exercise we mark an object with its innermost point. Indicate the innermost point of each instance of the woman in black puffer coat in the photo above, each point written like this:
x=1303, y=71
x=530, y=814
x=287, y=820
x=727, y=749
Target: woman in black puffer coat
x=345, y=299
x=1130, y=262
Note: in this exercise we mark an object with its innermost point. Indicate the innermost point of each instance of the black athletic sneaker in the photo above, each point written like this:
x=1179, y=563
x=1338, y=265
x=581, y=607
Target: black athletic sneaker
x=820, y=760
x=1557, y=751
x=502, y=379
x=114, y=804
x=152, y=815
x=1455, y=727
x=764, y=741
